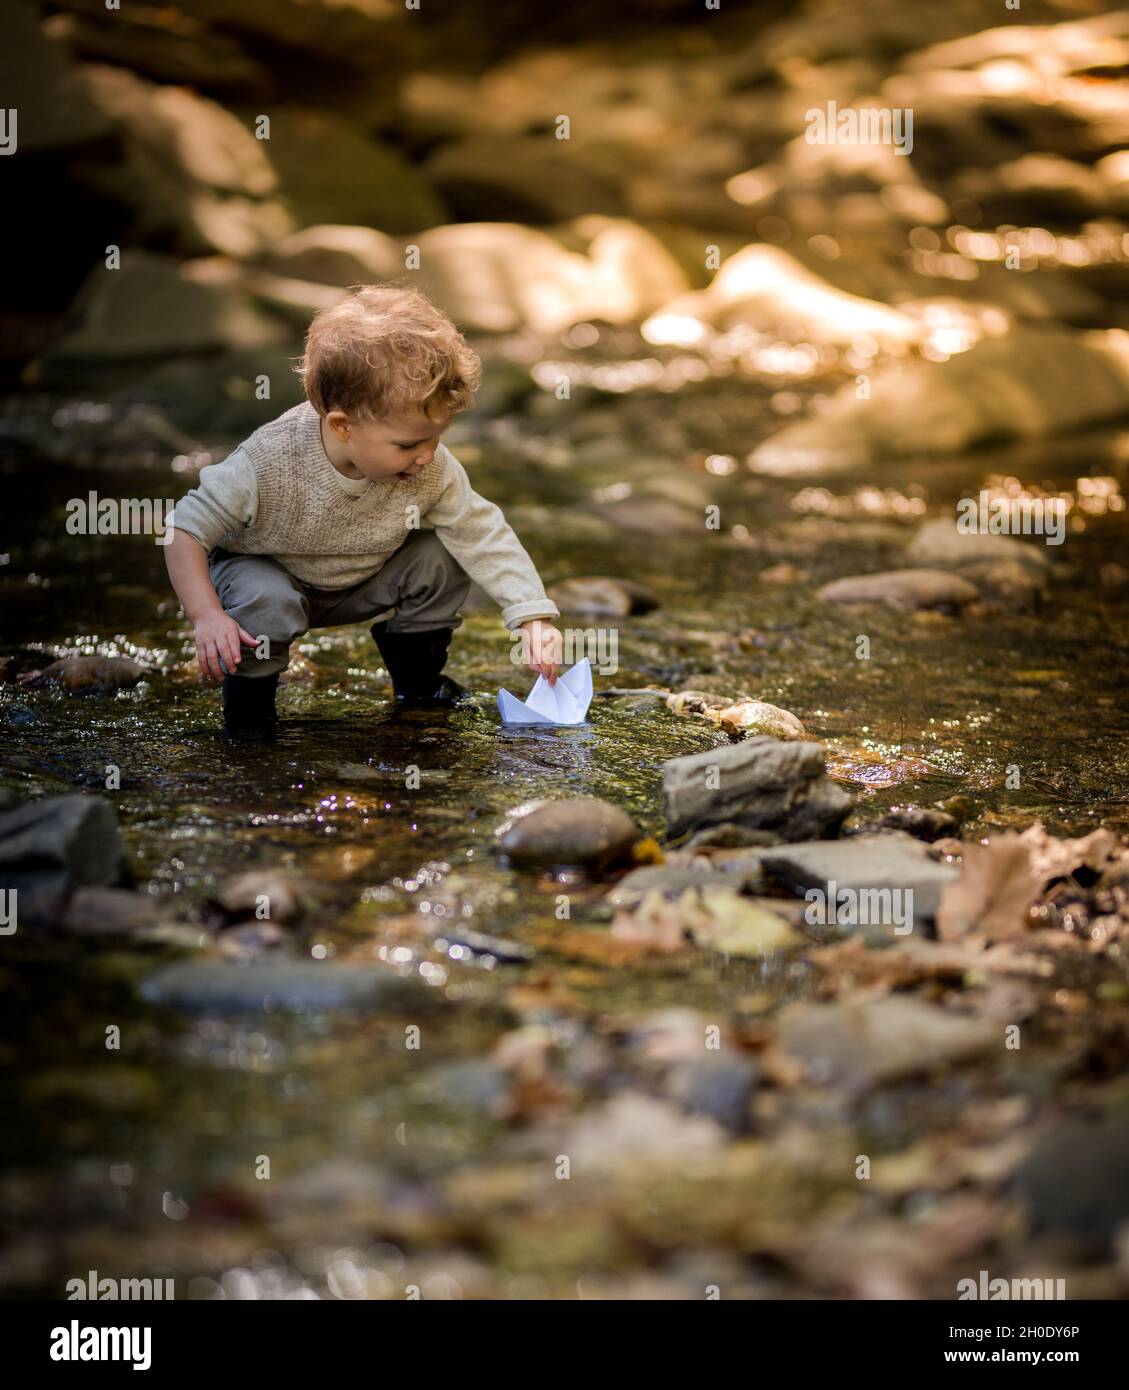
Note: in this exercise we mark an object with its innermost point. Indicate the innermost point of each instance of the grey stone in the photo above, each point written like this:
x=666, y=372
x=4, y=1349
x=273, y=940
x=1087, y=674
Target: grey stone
x=672, y=881
x=719, y=1086
x=1073, y=1181
x=940, y=542
x=859, y=1045
x=51, y=847
x=889, y=861
x=761, y=783
x=207, y=986
x=575, y=831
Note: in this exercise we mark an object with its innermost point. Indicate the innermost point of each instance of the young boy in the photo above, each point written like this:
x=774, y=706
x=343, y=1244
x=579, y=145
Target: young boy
x=348, y=506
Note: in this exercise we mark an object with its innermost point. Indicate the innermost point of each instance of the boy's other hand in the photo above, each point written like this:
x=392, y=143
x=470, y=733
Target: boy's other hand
x=545, y=647
x=218, y=636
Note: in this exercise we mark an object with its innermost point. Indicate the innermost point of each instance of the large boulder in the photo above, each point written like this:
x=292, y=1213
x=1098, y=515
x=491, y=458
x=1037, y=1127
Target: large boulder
x=761, y=783
x=151, y=307
x=52, y=847
x=1030, y=383
x=766, y=289
x=192, y=172
x=497, y=277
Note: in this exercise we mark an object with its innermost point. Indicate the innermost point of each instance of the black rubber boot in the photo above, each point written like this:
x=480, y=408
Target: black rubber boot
x=248, y=707
x=415, y=661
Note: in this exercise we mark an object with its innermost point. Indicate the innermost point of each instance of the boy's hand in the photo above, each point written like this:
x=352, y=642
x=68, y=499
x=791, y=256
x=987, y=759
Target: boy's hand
x=545, y=646
x=218, y=636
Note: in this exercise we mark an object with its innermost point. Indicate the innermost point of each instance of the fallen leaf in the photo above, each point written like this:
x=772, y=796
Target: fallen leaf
x=992, y=895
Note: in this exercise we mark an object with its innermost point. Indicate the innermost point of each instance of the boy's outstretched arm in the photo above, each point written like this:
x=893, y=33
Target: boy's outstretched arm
x=477, y=534
x=217, y=635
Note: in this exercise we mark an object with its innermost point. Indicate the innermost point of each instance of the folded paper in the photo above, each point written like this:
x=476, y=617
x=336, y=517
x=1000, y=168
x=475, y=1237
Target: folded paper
x=564, y=703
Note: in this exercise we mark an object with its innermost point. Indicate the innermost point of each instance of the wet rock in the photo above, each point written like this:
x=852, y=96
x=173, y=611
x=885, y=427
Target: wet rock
x=940, y=542
x=859, y=1045
x=88, y=673
x=265, y=895
x=110, y=912
x=1032, y=383
x=1006, y=584
x=459, y=941
x=762, y=287
x=330, y=170
x=632, y=1128
x=497, y=277
x=922, y=822
x=576, y=832
x=474, y=1084
x=598, y=596
x=1073, y=1181
x=44, y=84
x=760, y=783
x=696, y=702
x=862, y=863
x=672, y=882
x=906, y=589
x=250, y=939
x=151, y=308
x=50, y=848
x=729, y=836
x=336, y=254
x=719, y=1086
x=519, y=179
x=207, y=986
x=193, y=173
x=758, y=717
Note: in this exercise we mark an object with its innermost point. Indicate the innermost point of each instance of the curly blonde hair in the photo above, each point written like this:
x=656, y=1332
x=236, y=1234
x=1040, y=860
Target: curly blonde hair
x=384, y=351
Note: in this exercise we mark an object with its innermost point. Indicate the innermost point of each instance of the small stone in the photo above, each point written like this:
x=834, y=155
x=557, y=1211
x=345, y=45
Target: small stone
x=782, y=574
x=672, y=882
x=942, y=542
x=274, y=895
x=719, y=1087
x=93, y=673
x=695, y=702
x=905, y=589
x=209, y=986
x=758, y=717
x=1007, y=584
x=1073, y=1181
x=109, y=912
x=579, y=832
x=922, y=822
x=599, y=596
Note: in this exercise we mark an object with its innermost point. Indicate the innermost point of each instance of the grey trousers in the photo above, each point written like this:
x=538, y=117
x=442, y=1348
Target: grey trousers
x=422, y=582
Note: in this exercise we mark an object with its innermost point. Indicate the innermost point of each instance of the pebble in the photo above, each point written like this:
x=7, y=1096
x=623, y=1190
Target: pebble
x=89, y=673
x=208, y=986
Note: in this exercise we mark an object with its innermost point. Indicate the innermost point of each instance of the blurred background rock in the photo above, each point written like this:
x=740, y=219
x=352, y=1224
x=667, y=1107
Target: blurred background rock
x=437, y=128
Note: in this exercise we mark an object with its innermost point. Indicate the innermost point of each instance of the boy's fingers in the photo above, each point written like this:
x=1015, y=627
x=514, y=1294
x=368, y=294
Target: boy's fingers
x=245, y=636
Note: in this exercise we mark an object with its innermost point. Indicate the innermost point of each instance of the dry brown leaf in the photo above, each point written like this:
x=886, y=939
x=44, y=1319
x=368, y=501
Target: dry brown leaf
x=992, y=895
x=1052, y=858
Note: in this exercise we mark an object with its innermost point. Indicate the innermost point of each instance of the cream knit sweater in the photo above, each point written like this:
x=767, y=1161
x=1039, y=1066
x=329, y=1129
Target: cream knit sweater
x=278, y=494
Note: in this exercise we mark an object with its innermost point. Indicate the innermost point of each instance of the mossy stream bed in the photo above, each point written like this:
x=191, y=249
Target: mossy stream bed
x=392, y=1167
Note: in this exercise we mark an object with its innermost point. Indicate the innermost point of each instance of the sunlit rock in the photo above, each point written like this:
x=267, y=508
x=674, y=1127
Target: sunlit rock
x=336, y=254
x=192, y=171
x=1032, y=383
x=915, y=588
x=498, y=277
x=766, y=288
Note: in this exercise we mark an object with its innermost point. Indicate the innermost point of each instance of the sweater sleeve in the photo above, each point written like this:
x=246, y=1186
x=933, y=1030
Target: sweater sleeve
x=225, y=499
x=476, y=533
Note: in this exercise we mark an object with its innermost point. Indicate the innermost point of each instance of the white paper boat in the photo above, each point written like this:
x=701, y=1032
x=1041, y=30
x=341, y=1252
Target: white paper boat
x=564, y=703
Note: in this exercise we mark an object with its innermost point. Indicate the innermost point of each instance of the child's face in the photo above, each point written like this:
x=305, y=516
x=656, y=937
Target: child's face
x=397, y=447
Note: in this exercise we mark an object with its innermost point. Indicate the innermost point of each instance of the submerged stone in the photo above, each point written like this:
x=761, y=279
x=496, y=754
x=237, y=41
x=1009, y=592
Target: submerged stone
x=207, y=986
